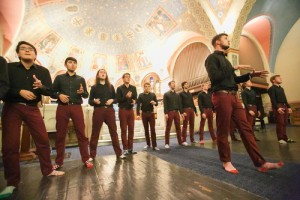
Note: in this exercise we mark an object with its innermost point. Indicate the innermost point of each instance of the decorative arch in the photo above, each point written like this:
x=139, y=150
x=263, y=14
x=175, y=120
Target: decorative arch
x=189, y=58
x=155, y=82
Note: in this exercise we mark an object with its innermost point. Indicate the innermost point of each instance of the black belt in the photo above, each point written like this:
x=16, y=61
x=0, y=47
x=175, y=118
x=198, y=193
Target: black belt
x=188, y=108
x=233, y=92
x=28, y=104
x=103, y=106
x=147, y=111
x=67, y=104
x=173, y=110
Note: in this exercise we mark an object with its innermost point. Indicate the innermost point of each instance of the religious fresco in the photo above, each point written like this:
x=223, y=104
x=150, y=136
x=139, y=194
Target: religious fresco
x=48, y=43
x=122, y=63
x=161, y=23
x=141, y=61
x=220, y=8
x=99, y=62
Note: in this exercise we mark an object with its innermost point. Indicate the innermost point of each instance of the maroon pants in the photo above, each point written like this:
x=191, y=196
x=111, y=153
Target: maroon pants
x=189, y=118
x=228, y=106
x=281, y=122
x=12, y=117
x=209, y=116
x=63, y=115
x=106, y=115
x=148, y=118
x=126, y=117
x=250, y=118
x=173, y=115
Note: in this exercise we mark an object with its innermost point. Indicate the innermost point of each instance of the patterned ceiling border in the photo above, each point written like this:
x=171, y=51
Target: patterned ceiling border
x=235, y=41
x=201, y=18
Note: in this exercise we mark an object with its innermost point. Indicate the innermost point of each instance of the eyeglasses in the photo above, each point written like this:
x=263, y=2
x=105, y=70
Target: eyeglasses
x=26, y=49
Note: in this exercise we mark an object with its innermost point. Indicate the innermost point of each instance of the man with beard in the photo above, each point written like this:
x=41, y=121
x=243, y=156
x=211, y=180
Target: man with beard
x=69, y=89
x=226, y=103
x=189, y=112
x=102, y=97
x=172, y=107
x=281, y=109
x=126, y=96
x=28, y=82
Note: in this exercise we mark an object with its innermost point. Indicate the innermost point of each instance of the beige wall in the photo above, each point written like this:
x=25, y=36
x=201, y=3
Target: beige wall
x=288, y=63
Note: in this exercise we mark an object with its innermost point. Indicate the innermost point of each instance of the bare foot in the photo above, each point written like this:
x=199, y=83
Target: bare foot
x=267, y=166
x=56, y=173
x=230, y=168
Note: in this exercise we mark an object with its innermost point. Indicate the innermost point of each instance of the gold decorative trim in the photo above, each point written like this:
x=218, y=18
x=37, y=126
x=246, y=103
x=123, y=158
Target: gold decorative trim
x=235, y=42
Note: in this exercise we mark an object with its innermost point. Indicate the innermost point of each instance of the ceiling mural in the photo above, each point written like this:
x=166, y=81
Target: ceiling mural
x=121, y=36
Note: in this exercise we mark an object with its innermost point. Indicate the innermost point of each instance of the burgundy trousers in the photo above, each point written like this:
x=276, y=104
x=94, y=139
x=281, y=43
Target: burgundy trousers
x=63, y=115
x=228, y=106
x=148, y=118
x=12, y=116
x=281, y=122
x=189, y=118
x=106, y=115
x=173, y=115
x=126, y=117
x=209, y=116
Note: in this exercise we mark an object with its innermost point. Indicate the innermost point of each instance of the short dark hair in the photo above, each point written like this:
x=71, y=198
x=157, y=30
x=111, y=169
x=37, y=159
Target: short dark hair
x=183, y=83
x=27, y=43
x=147, y=84
x=217, y=37
x=123, y=76
x=170, y=83
x=70, y=58
x=273, y=78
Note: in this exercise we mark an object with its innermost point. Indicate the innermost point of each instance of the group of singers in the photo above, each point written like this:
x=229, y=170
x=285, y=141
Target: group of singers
x=25, y=82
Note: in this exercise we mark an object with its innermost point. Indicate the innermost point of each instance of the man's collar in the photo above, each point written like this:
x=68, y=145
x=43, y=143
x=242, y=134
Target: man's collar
x=220, y=52
x=33, y=65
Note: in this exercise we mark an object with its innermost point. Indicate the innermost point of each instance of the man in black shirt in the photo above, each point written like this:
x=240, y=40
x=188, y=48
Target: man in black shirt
x=147, y=100
x=226, y=103
x=102, y=97
x=189, y=111
x=281, y=109
x=4, y=82
x=126, y=97
x=172, y=107
x=69, y=89
x=206, y=110
x=28, y=82
x=249, y=100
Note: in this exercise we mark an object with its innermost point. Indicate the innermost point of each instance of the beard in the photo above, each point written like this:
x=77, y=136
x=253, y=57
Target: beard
x=224, y=47
x=71, y=70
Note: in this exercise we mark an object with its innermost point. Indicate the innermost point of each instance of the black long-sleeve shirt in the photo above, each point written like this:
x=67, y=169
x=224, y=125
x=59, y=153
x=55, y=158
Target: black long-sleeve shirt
x=172, y=102
x=248, y=97
x=144, y=101
x=123, y=101
x=103, y=93
x=187, y=100
x=21, y=78
x=277, y=95
x=204, y=101
x=221, y=73
x=68, y=85
x=4, y=82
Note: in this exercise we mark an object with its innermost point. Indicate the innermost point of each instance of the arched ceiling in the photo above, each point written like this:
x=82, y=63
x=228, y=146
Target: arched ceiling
x=112, y=27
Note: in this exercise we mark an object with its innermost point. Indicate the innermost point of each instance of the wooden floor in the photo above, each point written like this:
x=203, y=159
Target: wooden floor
x=144, y=176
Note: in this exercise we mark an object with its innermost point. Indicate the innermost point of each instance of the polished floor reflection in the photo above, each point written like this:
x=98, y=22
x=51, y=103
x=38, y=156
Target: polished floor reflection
x=144, y=175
